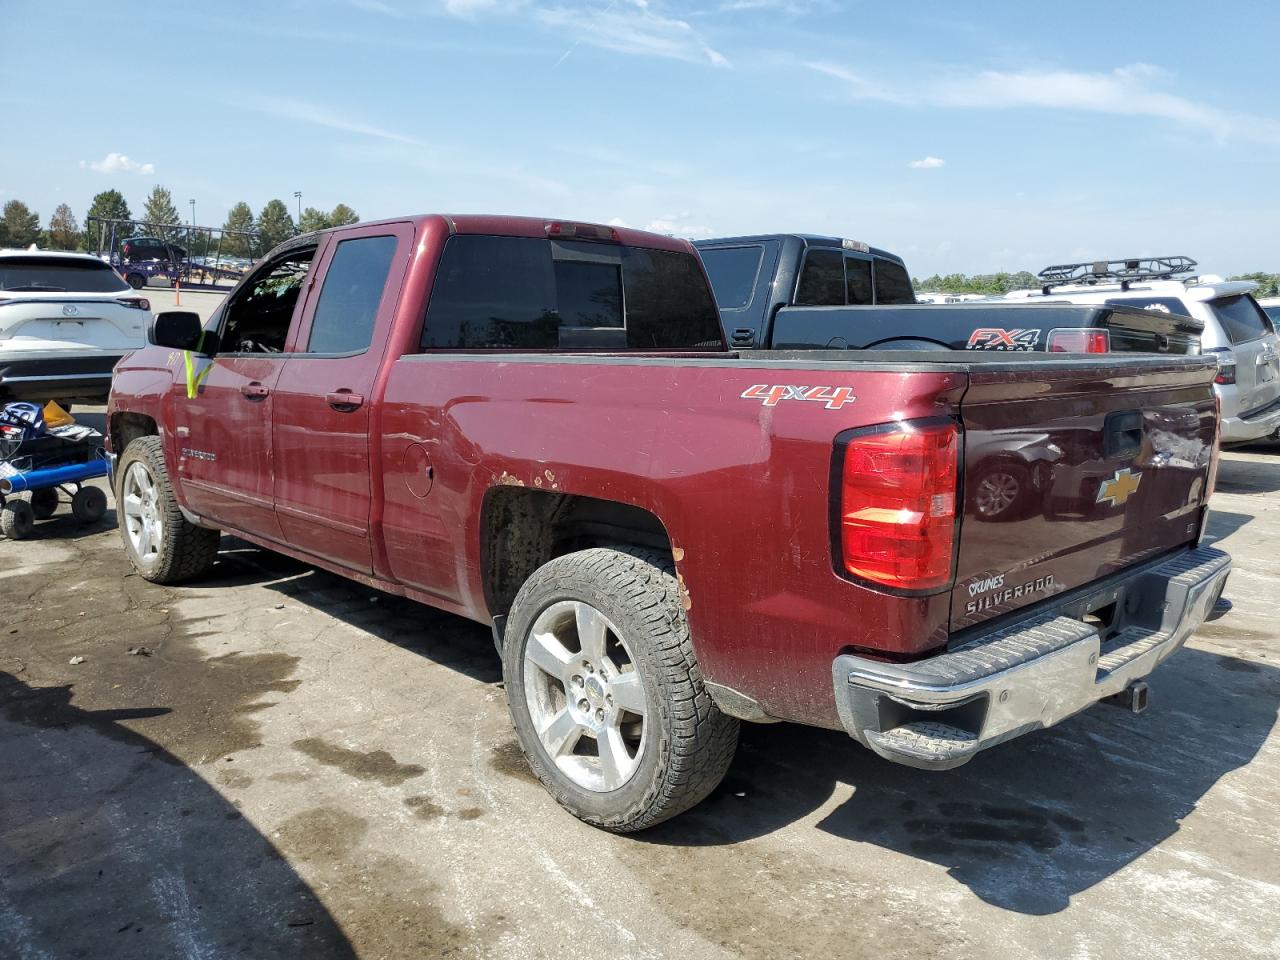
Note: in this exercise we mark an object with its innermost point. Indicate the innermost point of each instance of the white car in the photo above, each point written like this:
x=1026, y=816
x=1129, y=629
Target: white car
x=1236, y=330
x=1271, y=307
x=65, y=321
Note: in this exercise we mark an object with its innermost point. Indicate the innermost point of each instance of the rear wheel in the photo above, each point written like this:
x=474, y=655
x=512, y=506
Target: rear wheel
x=17, y=520
x=136, y=280
x=605, y=692
x=163, y=546
x=89, y=504
x=44, y=503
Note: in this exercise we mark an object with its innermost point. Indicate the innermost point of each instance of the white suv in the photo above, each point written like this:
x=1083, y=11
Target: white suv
x=1236, y=330
x=65, y=321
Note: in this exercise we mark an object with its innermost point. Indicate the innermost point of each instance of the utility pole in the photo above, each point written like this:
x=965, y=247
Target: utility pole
x=193, y=211
x=297, y=195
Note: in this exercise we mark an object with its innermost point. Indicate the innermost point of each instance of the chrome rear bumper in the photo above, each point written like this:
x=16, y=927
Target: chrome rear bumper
x=937, y=713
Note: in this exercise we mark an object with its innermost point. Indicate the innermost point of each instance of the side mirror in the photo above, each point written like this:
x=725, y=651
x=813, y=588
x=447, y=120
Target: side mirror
x=179, y=329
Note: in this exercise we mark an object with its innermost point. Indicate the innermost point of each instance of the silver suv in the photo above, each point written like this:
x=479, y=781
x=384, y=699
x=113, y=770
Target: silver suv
x=1236, y=330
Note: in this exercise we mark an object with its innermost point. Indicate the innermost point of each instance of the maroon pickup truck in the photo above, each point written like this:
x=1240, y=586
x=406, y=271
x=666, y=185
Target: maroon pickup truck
x=538, y=425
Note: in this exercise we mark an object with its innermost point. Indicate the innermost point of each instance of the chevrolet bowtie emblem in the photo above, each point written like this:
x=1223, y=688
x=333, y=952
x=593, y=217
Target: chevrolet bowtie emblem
x=1119, y=488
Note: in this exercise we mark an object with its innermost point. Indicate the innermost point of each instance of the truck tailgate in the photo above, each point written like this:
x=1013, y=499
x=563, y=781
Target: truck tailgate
x=1075, y=473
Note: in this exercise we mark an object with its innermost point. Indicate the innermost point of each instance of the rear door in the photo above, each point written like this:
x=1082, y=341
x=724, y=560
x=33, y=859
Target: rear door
x=324, y=397
x=1075, y=471
x=1253, y=344
x=739, y=273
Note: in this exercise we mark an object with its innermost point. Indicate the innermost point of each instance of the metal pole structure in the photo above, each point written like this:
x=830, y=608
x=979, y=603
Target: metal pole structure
x=297, y=195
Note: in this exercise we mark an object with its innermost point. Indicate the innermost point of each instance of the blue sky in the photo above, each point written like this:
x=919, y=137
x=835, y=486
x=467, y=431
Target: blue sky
x=967, y=137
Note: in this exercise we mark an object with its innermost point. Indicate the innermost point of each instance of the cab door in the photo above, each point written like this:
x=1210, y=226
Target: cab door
x=324, y=397
x=223, y=434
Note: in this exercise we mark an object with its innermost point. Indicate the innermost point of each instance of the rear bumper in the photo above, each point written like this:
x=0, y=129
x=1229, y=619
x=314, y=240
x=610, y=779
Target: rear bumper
x=56, y=375
x=937, y=713
x=1255, y=425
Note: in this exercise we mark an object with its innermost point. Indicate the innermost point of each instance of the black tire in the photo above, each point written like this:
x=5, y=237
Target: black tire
x=17, y=520
x=44, y=503
x=687, y=744
x=183, y=550
x=136, y=280
x=89, y=504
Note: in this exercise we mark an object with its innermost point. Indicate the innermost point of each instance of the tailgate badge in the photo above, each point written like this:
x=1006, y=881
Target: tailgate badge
x=70, y=310
x=1119, y=488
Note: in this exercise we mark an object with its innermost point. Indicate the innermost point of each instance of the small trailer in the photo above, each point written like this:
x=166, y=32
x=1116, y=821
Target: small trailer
x=88, y=504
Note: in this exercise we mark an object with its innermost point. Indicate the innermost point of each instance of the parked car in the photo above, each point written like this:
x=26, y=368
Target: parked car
x=792, y=291
x=65, y=320
x=1271, y=307
x=1237, y=331
x=538, y=425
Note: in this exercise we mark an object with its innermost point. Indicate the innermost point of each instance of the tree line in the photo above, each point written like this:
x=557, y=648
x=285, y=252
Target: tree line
x=246, y=235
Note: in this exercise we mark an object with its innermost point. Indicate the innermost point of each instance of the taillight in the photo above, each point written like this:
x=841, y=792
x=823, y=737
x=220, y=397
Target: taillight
x=898, y=505
x=1211, y=482
x=1078, y=340
x=138, y=303
x=1226, y=365
x=582, y=231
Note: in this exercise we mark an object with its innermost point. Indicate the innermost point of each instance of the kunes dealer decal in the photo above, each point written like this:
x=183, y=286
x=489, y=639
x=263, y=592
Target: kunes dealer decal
x=1002, y=593
x=772, y=394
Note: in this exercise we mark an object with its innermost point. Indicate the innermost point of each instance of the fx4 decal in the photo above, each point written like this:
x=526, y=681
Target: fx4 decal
x=772, y=394
x=997, y=338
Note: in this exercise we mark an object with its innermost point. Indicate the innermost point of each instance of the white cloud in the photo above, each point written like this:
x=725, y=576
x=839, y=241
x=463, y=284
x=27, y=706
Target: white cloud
x=118, y=163
x=928, y=163
x=632, y=27
x=317, y=115
x=1132, y=90
x=672, y=225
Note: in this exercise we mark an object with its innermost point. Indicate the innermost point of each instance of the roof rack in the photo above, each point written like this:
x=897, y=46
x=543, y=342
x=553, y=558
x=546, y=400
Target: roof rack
x=1125, y=271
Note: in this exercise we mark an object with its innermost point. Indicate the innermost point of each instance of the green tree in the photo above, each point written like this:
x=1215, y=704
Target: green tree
x=274, y=224
x=313, y=219
x=342, y=216
x=160, y=210
x=1268, y=283
x=239, y=220
x=63, y=232
x=19, y=225
x=108, y=205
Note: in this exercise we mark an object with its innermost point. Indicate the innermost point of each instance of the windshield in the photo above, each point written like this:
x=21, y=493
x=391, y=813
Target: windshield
x=50, y=274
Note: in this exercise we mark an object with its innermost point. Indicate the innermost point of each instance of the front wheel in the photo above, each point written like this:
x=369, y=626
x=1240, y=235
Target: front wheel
x=136, y=280
x=605, y=692
x=163, y=546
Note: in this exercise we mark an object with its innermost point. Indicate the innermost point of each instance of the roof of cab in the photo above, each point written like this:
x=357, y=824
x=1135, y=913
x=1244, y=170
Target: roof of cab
x=808, y=239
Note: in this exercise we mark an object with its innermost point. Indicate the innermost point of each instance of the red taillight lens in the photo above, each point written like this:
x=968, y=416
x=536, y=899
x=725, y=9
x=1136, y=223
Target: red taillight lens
x=582, y=231
x=898, y=505
x=138, y=303
x=1079, y=340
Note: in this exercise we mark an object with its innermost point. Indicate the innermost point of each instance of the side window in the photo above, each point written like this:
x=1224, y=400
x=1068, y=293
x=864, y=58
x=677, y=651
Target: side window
x=1159, y=304
x=257, y=320
x=349, y=299
x=821, y=279
x=892, y=283
x=857, y=274
x=733, y=272
x=1241, y=318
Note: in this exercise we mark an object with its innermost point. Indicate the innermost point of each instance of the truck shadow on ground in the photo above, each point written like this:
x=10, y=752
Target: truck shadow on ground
x=1030, y=823
x=110, y=846
x=1250, y=476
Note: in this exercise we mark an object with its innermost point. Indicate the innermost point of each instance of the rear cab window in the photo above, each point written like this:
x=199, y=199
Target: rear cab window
x=733, y=272
x=521, y=293
x=1241, y=318
x=831, y=278
x=893, y=286
x=56, y=274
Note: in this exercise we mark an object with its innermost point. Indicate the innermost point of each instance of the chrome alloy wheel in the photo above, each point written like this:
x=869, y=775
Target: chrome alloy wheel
x=143, y=518
x=585, y=697
x=996, y=493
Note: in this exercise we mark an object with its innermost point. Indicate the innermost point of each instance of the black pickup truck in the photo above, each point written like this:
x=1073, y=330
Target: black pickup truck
x=795, y=292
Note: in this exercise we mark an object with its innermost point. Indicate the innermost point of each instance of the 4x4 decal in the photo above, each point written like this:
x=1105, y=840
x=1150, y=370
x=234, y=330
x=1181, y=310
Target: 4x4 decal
x=997, y=338
x=772, y=394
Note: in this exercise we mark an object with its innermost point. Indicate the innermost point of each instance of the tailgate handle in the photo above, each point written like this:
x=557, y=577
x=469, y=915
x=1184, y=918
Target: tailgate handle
x=1122, y=433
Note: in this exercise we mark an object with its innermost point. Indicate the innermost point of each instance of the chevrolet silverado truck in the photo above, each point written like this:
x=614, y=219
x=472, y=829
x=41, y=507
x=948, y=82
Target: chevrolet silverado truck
x=795, y=292
x=538, y=425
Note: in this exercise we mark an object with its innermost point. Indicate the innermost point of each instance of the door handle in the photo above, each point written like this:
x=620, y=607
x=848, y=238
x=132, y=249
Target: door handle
x=344, y=401
x=255, y=390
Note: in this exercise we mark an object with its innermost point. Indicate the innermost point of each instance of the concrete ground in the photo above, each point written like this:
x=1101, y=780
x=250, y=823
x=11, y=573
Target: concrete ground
x=298, y=766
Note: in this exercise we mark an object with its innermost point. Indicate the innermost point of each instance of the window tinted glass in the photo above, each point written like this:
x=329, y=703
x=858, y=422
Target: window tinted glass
x=509, y=293
x=892, y=283
x=49, y=273
x=821, y=279
x=1159, y=304
x=858, y=280
x=349, y=300
x=258, y=318
x=733, y=272
x=1273, y=313
x=1241, y=318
